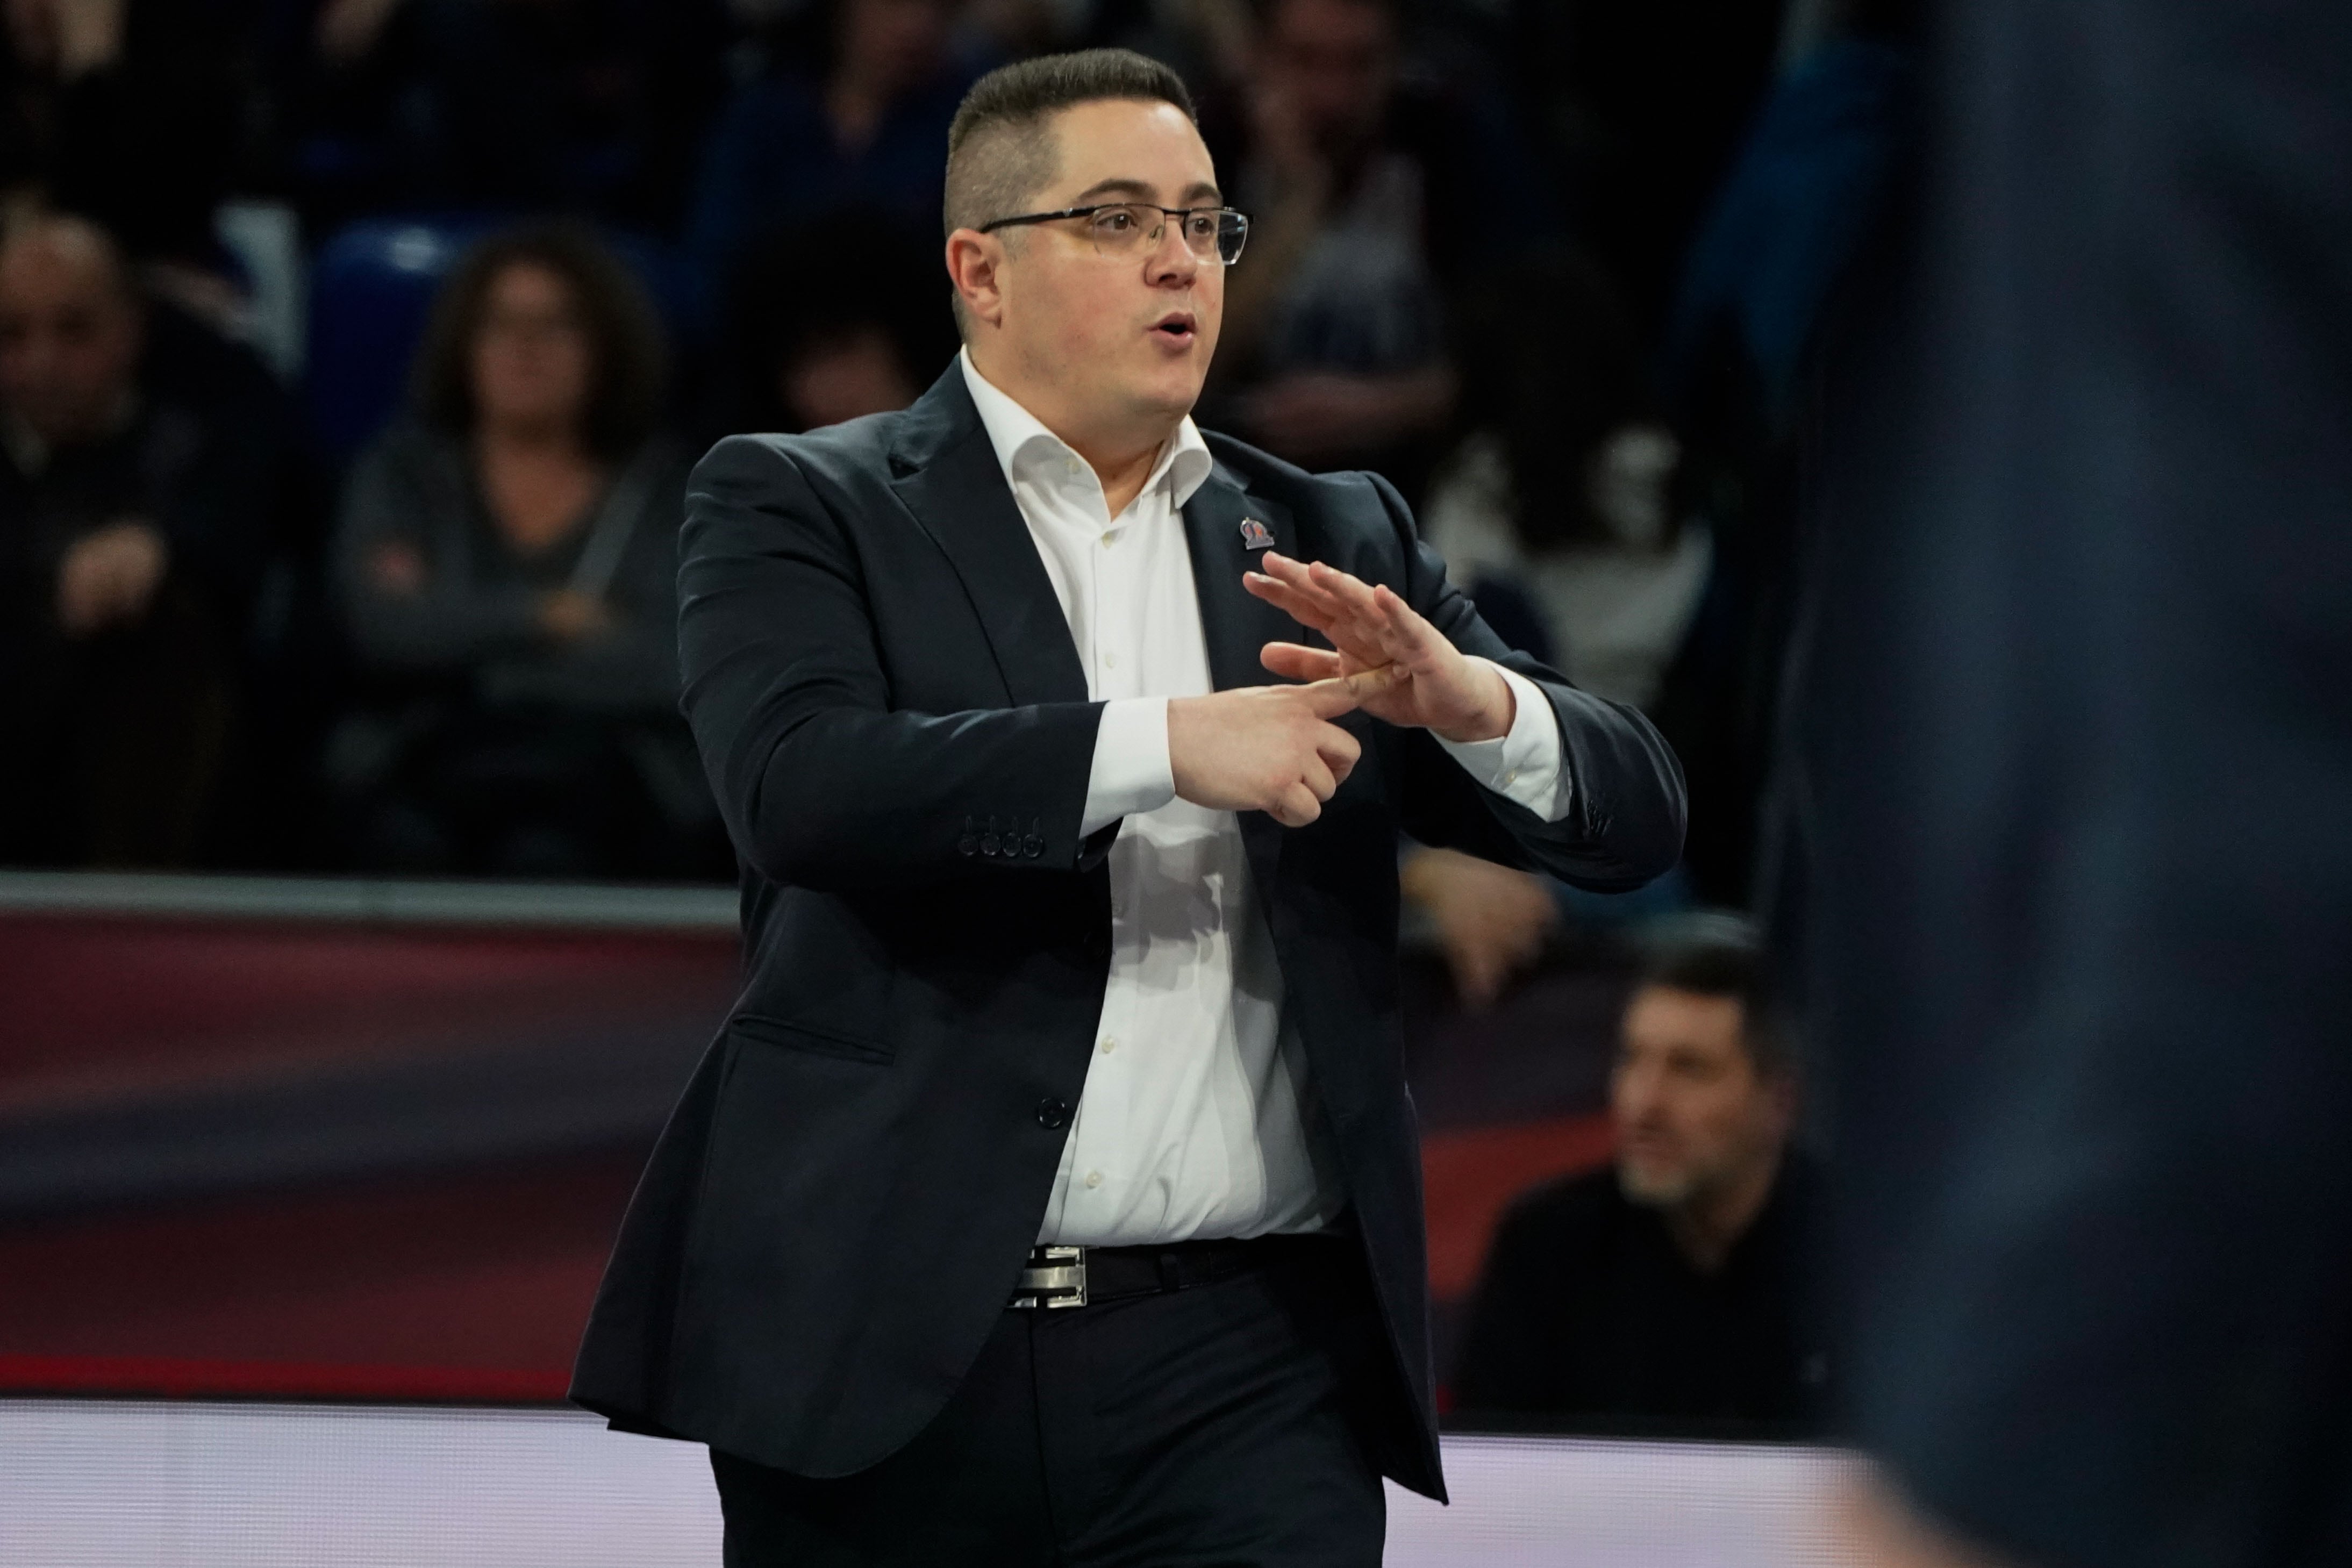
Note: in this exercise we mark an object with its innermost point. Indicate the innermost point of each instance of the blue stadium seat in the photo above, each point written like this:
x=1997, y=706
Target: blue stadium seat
x=370, y=287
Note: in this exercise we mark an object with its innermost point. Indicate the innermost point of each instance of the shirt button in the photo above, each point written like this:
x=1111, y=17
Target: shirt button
x=1094, y=1179
x=1108, y=1046
x=1111, y=661
x=1106, y=541
x=1051, y=1114
x=1512, y=777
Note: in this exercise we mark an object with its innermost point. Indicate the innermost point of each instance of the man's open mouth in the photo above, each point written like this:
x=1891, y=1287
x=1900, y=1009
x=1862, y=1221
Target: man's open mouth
x=1176, y=326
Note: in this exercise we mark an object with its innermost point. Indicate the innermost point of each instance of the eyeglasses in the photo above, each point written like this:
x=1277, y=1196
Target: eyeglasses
x=1129, y=228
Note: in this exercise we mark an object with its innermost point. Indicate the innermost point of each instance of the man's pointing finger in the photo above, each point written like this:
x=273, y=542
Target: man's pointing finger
x=1344, y=694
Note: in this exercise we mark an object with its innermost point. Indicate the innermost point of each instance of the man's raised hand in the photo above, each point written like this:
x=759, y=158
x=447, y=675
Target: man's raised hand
x=1269, y=749
x=1435, y=686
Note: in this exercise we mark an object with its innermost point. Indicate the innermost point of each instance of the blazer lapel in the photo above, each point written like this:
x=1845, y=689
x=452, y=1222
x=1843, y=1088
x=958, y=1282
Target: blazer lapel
x=1237, y=626
x=946, y=471
x=1235, y=623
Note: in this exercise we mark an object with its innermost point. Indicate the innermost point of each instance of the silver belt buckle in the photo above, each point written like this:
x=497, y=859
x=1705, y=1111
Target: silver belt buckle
x=1055, y=1277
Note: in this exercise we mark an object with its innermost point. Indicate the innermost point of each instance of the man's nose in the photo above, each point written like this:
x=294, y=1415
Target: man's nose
x=1640, y=1094
x=1172, y=261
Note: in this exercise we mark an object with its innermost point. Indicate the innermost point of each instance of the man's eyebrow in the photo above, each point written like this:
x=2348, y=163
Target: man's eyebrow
x=1140, y=190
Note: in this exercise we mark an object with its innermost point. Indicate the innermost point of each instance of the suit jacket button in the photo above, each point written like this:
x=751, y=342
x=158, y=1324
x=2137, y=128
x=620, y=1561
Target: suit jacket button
x=989, y=843
x=967, y=845
x=1033, y=846
x=1051, y=1114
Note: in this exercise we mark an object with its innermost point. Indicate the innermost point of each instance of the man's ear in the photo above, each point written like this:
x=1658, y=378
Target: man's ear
x=974, y=260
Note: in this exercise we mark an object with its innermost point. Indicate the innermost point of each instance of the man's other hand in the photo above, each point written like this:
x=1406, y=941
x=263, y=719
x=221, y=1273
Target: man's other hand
x=108, y=576
x=1491, y=920
x=567, y=615
x=1268, y=748
x=1436, y=687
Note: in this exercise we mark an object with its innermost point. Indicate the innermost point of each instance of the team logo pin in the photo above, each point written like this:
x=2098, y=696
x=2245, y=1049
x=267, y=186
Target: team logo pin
x=1255, y=535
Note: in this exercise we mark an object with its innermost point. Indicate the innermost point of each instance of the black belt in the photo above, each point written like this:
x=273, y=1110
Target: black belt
x=1073, y=1276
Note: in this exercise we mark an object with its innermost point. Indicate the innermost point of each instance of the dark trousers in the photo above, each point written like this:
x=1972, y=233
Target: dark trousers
x=1214, y=1425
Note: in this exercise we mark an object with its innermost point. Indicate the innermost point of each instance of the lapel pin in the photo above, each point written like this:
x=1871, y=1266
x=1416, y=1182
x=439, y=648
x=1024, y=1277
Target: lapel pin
x=1255, y=535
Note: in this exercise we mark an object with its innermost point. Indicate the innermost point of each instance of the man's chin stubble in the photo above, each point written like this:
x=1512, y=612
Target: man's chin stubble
x=1670, y=1191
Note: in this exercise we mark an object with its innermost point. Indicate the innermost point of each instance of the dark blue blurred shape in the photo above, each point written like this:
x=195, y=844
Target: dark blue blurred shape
x=2075, y=723
x=1805, y=189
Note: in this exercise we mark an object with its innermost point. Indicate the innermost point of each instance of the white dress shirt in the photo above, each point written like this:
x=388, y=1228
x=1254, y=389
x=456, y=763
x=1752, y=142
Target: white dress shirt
x=1191, y=1124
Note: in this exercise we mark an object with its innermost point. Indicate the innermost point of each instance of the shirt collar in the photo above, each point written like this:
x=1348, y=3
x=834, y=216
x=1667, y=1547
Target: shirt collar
x=1021, y=438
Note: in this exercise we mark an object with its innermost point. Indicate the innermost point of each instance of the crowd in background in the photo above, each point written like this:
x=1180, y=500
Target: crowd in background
x=353, y=354
x=284, y=584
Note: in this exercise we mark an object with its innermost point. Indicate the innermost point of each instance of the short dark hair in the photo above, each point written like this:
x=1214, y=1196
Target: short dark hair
x=999, y=152
x=1723, y=955
x=627, y=360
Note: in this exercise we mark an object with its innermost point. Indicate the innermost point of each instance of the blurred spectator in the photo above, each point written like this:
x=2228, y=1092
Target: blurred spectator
x=1640, y=107
x=845, y=318
x=135, y=507
x=1562, y=490
x=861, y=126
x=506, y=561
x=1667, y=1288
x=594, y=106
x=1209, y=43
x=1373, y=196
x=1555, y=514
x=130, y=110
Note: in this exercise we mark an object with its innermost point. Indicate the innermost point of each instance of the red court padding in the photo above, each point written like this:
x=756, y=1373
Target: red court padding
x=466, y=1286
x=97, y=1009
x=1469, y=1177
x=165, y=1377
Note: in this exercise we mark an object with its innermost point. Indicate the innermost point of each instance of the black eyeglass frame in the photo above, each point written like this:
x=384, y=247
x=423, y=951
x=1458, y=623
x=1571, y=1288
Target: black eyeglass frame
x=1241, y=232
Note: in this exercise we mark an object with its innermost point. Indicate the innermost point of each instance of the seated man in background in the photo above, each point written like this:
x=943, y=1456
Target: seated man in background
x=132, y=519
x=1668, y=1288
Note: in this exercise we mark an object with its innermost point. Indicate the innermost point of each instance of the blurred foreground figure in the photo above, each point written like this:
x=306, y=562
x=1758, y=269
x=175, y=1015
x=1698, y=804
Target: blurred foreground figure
x=1666, y=1288
x=130, y=519
x=2077, y=720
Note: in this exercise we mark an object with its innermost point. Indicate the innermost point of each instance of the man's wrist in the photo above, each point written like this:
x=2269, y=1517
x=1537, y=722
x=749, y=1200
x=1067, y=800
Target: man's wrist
x=1493, y=719
x=1132, y=771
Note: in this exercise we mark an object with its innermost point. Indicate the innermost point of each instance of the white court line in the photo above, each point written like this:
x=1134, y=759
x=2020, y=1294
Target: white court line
x=145, y=1484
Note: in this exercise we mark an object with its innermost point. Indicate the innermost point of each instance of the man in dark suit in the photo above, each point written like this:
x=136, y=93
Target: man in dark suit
x=1052, y=1193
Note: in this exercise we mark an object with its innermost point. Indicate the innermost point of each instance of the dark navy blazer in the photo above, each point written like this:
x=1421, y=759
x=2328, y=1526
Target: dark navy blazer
x=892, y=712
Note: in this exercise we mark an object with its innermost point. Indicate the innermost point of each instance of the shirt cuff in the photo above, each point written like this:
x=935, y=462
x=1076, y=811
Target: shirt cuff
x=1131, y=773
x=1524, y=764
